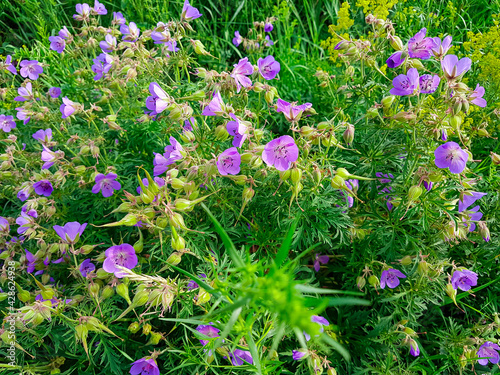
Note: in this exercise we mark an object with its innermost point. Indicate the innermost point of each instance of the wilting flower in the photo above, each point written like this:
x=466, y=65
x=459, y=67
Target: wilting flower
x=292, y=112
x=118, y=18
x=4, y=225
x=463, y=279
x=50, y=157
x=119, y=255
x=239, y=356
x=31, y=260
x=229, y=162
x=131, y=32
x=297, y=355
x=83, y=12
x=173, y=152
x=57, y=43
x=208, y=330
x=268, y=27
x=428, y=185
x=268, y=67
x=172, y=46
x=215, y=107
x=8, y=65
x=322, y=323
x=450, y=155
x=54, y=92
x=189, y=12
x=396, y=59
x=281, y=152
x=7, y=123
x=106, y=184
x=99, y=8
x=64, y=33
x=268, y=42
x=429, y=83
x=391, y=278
x=240, y=73
x=23, y=115
x=405, y=84
x=25, y=93
x=414, y=349
x=86, y=267
x=466, y=200
x=441, y=48
x=477, y=96
x=102, y=65
x=419, y=46
x=70, y=232
x=238, y=39
x=158, y=101
x=453, y=68
x=25, y=191
x=145, y=366
x=67, y=107
x=43, y=187
x=488, y=352
x=26, y=220
x=108, y=44
x=44, y=136
x=237, y=130
x=30, y=69
x=318, y=258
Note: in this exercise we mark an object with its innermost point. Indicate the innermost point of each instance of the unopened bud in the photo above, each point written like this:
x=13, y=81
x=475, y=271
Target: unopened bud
x=387, y=101
x=178, y=243
x=285, y=175
x=396, y=42
x=338, y=182
x=373, y=281
x=221, y=133
x=360, y=282
x=248, y=193
x=495, y=158
x=134, y=327
x=349, y=134
x=174, y=258
x=295, y=175
x=414, y=192
x=406, y=260
x=146, y=329
x=107, y=292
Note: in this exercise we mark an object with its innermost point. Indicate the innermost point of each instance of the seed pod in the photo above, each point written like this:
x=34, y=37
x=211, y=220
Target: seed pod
x=331, y=371
x=317, y=175
x=94, y=290
x=360, y=282
x=285, y=175
x=178, y=243
x=338, y=182
x=107, y=292
x=410, y=331
x=182, y=204
x=122, y=291
x=146, y=329
x=23, y=296
x=174, y=258
x=495, y=158
x=248, y=193
x=373, y=281
x=406, y=261
x=140, y=298
x=295, y=175
x=414, y=192
x=342, y=172
x=134, y=327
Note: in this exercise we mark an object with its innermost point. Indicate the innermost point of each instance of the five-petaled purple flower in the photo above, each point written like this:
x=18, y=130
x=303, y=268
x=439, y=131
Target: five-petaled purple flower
x=216, y=106
x=463, y=279
x=64, y=33
x=67, y=107
x=320, y=259
x=131, y=32
x=86, y=267
x=25, y=93
x=54, y=92
x=70, y=232
x=50, y=157
x=477, y=96
x=31, y=260
x=7, y=123
x=292, y=112
x=145, y=366
x=268, y=42
x=43, y=136
x=441, y=48
x=240, y=73
x=30, y=69
x=83, y=12
x=268, y=27
x=281, y=152
x=158, y=101
x=207, y=330
x=173, y=152
x=237, y=130
x=450, y=155
x=466, y=200
x=238, y=357
x=419, y=46
x=268, y=67
x=118, y=18
x=8, y=65
x=429, y=83
x=119, y=255
x=390, y=278
x=23, y=115
x=189, y=12
x=4, y=225
x=99, y=8
x=43, y=187
x=405, y=84
x=57, y=44
x=229, y=162
x=25, y=221
x=453, y=68
x=106, y=184
x=108, y=44
x=238, y=39
x=488, y=352
x=102, y=65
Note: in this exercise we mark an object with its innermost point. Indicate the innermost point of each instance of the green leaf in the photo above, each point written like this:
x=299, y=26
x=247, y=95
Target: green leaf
x=336, y=345
x=285, y=246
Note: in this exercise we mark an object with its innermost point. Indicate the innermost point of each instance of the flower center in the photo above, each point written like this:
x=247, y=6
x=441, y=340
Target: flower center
x=227, y=162
x=280, y=152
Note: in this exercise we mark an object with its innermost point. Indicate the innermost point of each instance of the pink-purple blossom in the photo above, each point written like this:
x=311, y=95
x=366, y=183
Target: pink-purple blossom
x=83, y=12
x=419, y=46
x=391, y=278
x=25, y=93
x=50, y=157
x=64, y=33
x=130, y=33
x=441, y=47
x=229, y=162
x=320, y=259
x=281, y=153
x=466, y=200
x=99, y=8
x=30, y=69
x=450, y=155
x=43, y=136
x=158, y=101
x=237, y=130
x=102, y=65
x=477, y=96
x=67, y=107
x=106, y=184
x=119, y=255
x=4, y=225
x=57, y=44
x=173, y=152
x=414, y=349
x=405, y=84
x=189, y=12
x=86, y=267
x=268, y=67
x=8, y=65
x=238, y=357
x=429, y=83
x=240, y=73
x=207, y=330
x=43, y=187
x=54, y=92
x=488, y=352
x=463, y=279
x=145, y=366
x=454, y=68
x=396, y=59
x=268, y=27
x=268, y=42
x=297, y=355
x=292, y=112
x=238, y=39
x=108, y=44
x=23, y=114
x=322, y=323
x=7, y=123
x=216, y=106
x=118, y=18
x=70, y=232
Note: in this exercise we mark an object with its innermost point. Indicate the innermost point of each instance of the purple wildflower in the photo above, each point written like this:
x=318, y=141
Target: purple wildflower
x=145, y=366
x=391, y=278
x=297, y=355
x=318, y=258
x=43, y=136
x=419, y=46
x=8, y=65
x=237, y=130
x=405, y=84
x=477, y=96
x=463, y=279
x=473, y=215
x=160, y=37
x=189, y=12
x=31, y=260
x=444, y=135
x=292, y=112
x=238, y=39
x=7, y=123
x=23, y=115
x=50, y=157
x=172, y=46
x=86, y=267
x=453, y=68
x=119, y=255
x=158, y=101
x=429, y=83
x=43, y=187
x=173, y=152
x=207, y=330
x=106, y=184
x=4, y=225
x=25, y=93
x=71, y=232
x=83, y=12
x=268, y=42
x=229, y=162
x=319, y=320
x=26, y=220
x=57, y=44
x=102, y=65
x=193, y=284
x=30, y=69
x=450, y=155
x=428, y=185
x=108, y=44
x=131, y=32
x=238, y=357
x=281, y=152
x=188, y=125
x=54, y=92
x=414, y=349
x=441, y=48
x=64, y=33
x=268, y=27
x=215, y=107
x=159, y=181
x=395, y=60
x=488, y=352
x=67, y=107
x=240, y=73
x=466, y=200
x=268, y=67
x=25, y=192
x=118, y=18
x=99, y=8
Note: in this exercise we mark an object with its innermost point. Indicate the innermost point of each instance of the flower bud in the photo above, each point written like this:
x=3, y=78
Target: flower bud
x=248, y=193
x=258, y=87
x=396, y=42
x=134, y=327
x=182, y=204
x=221, y=133
x=423, y=267
x=140, y=298
x=295, y=175
x=188, y=136
x=269, y=96
x=246, y=157
x=410, y=331
x=349, y=134
x=202, y=297
x=373, y=281
x=342, y=172
x=201, y=72
x=285, y=175
x=414, y=192
x=101, y=274
x=415, y=63
x=154, y=339
x=317, y=175
x=178, y=243
x=350, y=69
x=404, y=116
x=146, y=329
x=177, y=221
x=256, y=162
x=406, y=260
x=360, y=282
x=331, y=371
x=122, y=291
x=94, y=290
x=174, y=258
x=258, y=134
x=372, y=113
x=338, y=182
x=239, y=179
x=23, y=296
x=107, y=292
x=455, y=122
x=495, y=158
